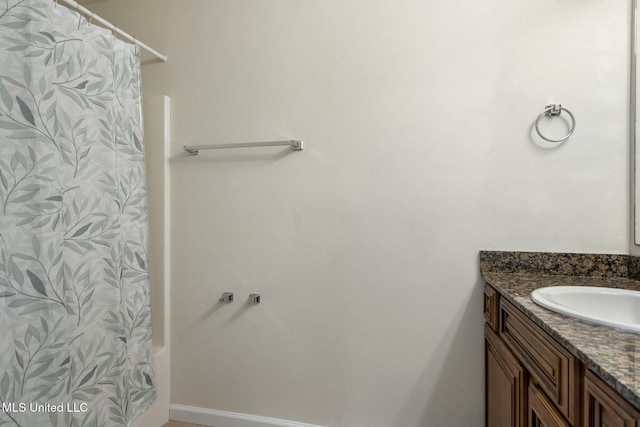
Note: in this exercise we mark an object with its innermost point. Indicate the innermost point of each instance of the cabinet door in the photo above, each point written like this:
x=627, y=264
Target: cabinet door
x=603, y=407
x=505, y=384
x=541, y=412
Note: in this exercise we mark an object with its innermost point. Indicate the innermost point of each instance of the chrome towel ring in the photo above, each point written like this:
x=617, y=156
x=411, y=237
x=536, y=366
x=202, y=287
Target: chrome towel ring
x=555, y=110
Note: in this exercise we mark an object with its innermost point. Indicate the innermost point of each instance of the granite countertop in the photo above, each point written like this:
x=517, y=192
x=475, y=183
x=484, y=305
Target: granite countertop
x=613, y=354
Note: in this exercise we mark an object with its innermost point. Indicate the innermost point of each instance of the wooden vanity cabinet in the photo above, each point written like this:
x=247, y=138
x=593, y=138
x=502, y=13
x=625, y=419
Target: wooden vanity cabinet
x=532, y=381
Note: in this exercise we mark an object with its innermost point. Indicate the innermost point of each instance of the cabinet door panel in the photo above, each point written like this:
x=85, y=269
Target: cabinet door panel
x=604, y=407
x=491, y=307
x=505, y=384
x=541, y=412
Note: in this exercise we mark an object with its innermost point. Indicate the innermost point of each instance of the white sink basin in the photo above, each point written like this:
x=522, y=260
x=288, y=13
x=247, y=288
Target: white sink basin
x=618, y=308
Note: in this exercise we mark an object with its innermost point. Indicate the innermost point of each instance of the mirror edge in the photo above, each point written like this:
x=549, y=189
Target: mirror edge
x=633, y=125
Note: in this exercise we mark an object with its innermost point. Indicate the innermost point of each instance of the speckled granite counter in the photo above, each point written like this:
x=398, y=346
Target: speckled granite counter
x=611, y=353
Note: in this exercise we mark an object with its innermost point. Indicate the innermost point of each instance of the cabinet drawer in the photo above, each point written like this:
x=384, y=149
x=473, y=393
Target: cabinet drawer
x=552, y=367
x=604, y=407
x=491, y=307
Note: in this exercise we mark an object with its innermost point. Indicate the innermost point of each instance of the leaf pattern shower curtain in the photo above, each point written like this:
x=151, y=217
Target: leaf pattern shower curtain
x=75, y=328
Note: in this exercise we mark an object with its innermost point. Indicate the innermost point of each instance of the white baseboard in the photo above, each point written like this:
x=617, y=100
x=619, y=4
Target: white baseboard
x=215, y=418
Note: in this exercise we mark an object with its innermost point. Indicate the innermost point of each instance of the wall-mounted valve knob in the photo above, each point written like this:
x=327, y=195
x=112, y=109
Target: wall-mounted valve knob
x=227, y=297
x=254, y=299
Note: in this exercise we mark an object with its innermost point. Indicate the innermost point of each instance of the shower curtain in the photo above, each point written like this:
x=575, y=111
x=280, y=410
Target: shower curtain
x=75, y=340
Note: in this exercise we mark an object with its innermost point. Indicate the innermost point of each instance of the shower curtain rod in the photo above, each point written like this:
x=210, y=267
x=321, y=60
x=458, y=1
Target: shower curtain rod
x=112, y=27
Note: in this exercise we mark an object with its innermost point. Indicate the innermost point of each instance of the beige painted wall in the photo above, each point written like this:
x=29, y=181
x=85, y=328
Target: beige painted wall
x=417, y=117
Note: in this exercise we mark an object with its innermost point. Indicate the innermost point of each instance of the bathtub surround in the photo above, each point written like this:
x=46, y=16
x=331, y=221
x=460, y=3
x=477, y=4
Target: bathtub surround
x=157, y=118
x=74, y=294
x=417, y=117
x=211, y=417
